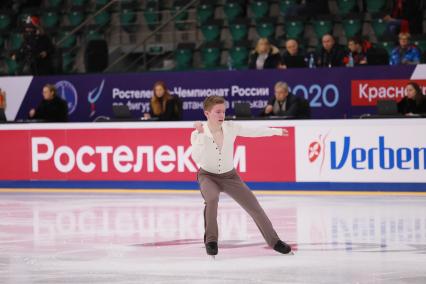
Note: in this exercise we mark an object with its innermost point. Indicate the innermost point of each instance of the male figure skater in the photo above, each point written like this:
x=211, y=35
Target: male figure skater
x=212, y=149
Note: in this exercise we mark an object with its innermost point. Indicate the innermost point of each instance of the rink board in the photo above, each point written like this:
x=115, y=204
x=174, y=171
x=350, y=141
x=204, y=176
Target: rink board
x=318, y=155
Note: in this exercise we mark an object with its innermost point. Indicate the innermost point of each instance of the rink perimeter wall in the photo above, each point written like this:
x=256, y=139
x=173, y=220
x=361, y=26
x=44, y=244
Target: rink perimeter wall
x=318, y=155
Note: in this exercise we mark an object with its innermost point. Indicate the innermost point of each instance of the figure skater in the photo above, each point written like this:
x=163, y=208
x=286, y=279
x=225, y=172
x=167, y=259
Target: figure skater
x=212, y=149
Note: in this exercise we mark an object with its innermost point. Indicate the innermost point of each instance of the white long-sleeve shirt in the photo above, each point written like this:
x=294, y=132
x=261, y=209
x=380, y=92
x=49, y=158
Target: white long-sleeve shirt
x=207, y=154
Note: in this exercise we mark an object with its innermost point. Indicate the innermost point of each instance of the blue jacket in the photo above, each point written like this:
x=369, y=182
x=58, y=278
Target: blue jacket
x=412, y=54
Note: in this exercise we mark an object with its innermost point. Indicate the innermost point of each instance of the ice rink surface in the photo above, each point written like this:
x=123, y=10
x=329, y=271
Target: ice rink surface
x=157, y=238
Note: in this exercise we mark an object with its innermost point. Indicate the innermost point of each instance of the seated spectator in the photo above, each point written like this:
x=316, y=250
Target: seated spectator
x=163, y=105
x=52, y=108
x=405, y=17
x=284, y=103
x=405, y=53
x=358, y=50
x=331, y=54
x=293, y=56
x=265, y=56
x=414, y=102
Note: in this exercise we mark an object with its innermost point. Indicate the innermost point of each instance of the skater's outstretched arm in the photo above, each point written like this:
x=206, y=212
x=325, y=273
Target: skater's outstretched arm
x=261, y=131
x=197, y=142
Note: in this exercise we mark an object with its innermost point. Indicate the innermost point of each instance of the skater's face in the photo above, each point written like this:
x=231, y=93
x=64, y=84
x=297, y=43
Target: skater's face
x=216, y=114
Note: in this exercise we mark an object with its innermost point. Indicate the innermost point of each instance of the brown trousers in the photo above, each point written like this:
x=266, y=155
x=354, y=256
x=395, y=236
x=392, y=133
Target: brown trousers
x=212, y=185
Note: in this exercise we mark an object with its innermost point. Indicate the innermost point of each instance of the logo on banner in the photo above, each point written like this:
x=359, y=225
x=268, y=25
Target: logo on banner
x=68, y=92
x=316, y=150
x=93, y=97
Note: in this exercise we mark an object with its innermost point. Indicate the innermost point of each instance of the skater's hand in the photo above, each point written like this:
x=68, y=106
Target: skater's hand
x=199, y=126
x=285, y=132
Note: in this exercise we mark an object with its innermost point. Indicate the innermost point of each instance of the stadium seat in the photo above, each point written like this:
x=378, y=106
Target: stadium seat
x=374, y=6
x=13, y=67
x=285, y=5
x=210, y=55
x=102, y=19
x=75, y=17
x=322, y=25
x=180, y=20
x=49, y=19
x=239, y=54
x=211, y=30
x=239, y=29
x=378, y=24
x=67, y=40
x=54, y=3
x=183, y=55
x=5, y=21
x=152, y=15
x=205, y=12
x=387, y=43
x=346, y=6
x=79, y=3
x=352, y=25
x=128, y=18
x=419, y=41
x=266, y=28
x=233, y=10
x=294, y=27
x=260, y=9
x=16, y=40
x=92, y=34
x=68, y=61
x=100, y=3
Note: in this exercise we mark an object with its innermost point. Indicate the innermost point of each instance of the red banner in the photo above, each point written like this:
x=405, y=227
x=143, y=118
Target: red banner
x=132, y=154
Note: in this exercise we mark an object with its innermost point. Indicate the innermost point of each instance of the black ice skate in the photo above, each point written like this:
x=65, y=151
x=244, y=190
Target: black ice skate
x=211, y=248
x=282, y=247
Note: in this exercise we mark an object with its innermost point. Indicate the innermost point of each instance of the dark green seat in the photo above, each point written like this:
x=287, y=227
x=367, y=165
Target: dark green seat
x=93, y=34
x=294, y=28
x=352, y=26
x=54, y=3
x=239, y=29
x=265, y=28
x=388, y=45
x=68, y=62
x=75, y=17
x=50, y=19
x=205, y=12
x=66, y=40
x=16, y=40
x=378, y=25
x=13, y=67
x=260, y=9
x=285, y=5
x=128, y=19
x=102, y=19
x=100, y=3
x=239, y=55
x=419, y=41
x=184, y=56
x=346, y=6
x=181, y=19
x=5, y=21
x=152, y=16
x=322, y=26
x=233, y=10
x=210, y=56
x=79, y=3
x=374, y=6
x=211, y=30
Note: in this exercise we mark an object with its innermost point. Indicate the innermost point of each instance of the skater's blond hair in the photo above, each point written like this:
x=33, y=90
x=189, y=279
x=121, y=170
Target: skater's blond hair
x=211, y=101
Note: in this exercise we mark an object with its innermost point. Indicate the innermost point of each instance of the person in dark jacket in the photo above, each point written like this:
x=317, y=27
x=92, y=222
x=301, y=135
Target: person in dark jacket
x=283, y=103
x=52, y=108
x=414, y=101
x=265, y=56
x=163, y=105
x=293, y=57
x=331, y=54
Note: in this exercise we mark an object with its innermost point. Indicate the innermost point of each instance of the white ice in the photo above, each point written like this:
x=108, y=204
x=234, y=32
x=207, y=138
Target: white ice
x=157, y=238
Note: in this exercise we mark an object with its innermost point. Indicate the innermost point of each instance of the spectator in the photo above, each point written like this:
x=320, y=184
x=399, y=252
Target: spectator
x=414, y=102
x=405, y=53
x=37, y=50
x=284, y=103
x=330, y=55
x=52, y=108
x=163, y=105
x=265, y=56
x=293, y=56
x=358, y=50
x=405, y=17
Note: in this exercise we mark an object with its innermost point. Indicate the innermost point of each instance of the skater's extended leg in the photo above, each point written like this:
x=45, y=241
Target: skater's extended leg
x=240, y=192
